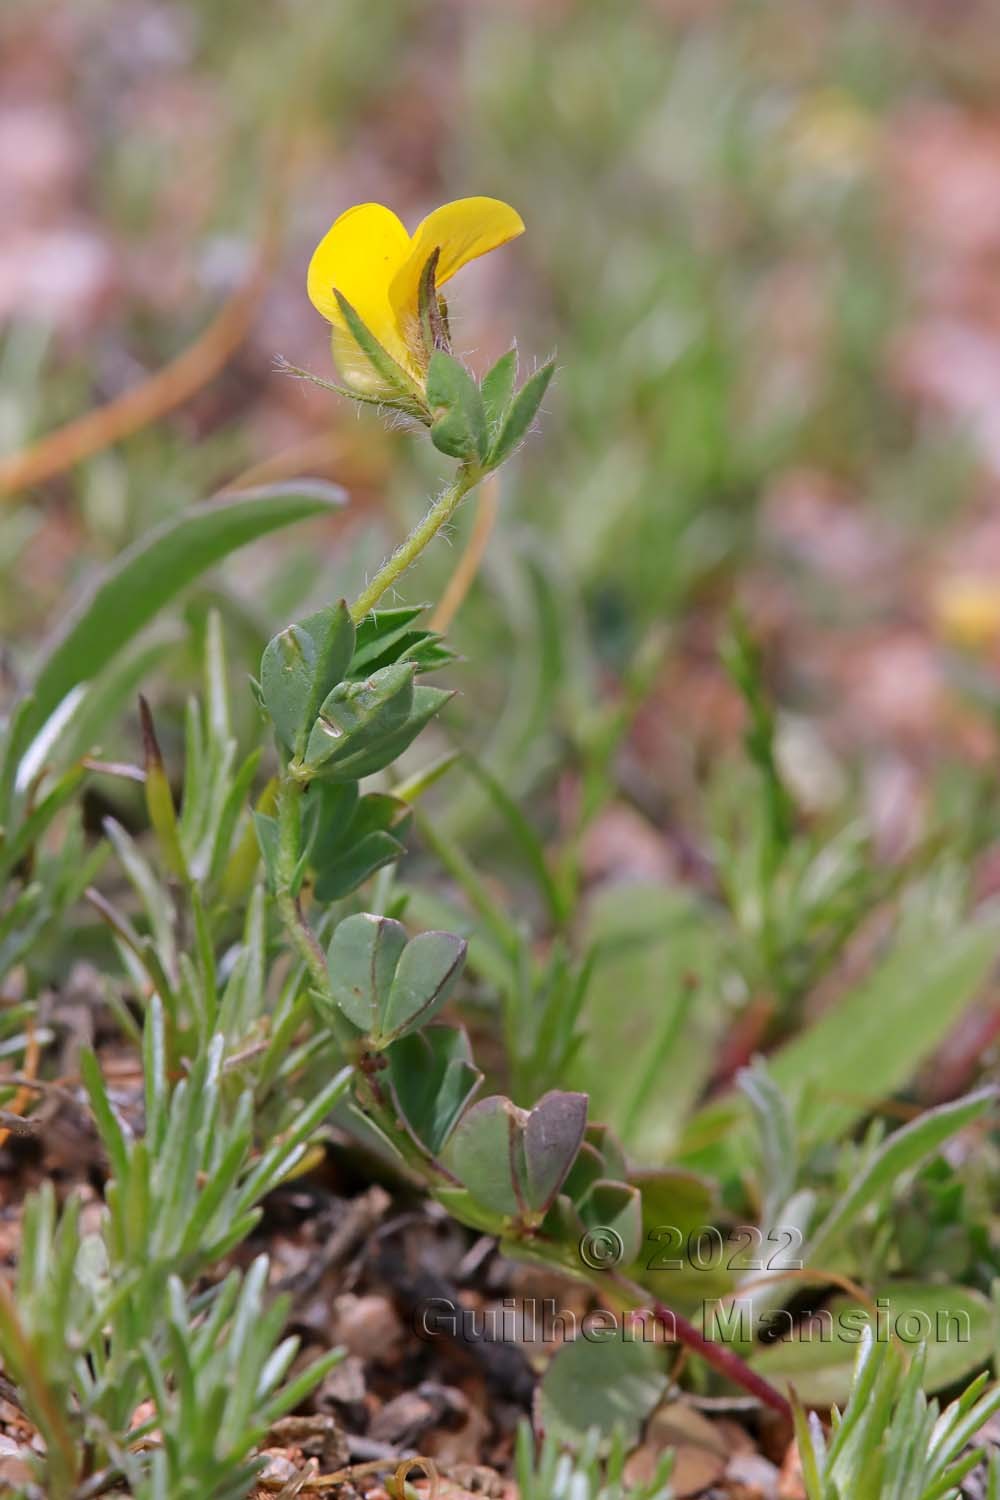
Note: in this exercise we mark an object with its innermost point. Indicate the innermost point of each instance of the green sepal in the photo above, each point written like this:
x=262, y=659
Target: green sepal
x=380, y=359
x=521, y=413
x=459, y=427
x=498, y=387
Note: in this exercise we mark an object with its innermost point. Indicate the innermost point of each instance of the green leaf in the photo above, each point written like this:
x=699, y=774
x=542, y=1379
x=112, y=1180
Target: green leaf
x=433, y=1077
x=603, y=1381
x=882, y=1031
x=524, y=835
x=356, y=716
x=459, y=427
x=427, y=702
x=362, y=960
x=378, y=632
x=497, y=387
x=615, y=1207
x=300, y=668
x=24, y=838
x=353, y=836
x=152, y=572
x=646, y=1064
x=553, y=1134
x=482, y=1150
x=904, y=1150
x=879, y=1032
x=425, y=976
x=776, y=1131
x=267, y=836
x=676, y=1206
x=523, y=410
x=955, y=1322
x=357, y=865
x=536, y=1151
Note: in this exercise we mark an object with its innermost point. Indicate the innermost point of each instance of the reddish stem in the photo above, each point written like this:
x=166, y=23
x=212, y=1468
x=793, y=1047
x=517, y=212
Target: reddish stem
x=725, y=1361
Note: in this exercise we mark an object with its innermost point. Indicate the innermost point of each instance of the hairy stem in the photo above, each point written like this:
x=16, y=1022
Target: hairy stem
x=425, y=531
x=289, y=907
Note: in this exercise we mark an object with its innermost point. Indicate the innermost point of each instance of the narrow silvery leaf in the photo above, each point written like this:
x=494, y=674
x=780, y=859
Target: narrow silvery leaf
x=776, y=1131
x=267, y=837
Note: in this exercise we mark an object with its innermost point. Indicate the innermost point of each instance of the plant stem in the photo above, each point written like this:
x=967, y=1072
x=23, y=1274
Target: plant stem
x=725, y=1361
x=425, y=531
x=294, y=918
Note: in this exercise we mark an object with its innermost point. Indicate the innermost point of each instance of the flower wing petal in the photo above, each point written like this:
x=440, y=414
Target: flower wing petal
x=360, y=255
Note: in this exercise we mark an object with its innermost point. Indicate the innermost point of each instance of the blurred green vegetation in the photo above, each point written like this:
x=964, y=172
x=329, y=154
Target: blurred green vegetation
x=714, y=256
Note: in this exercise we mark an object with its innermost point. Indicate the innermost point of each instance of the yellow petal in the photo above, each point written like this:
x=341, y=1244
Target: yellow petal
x=967, y=611
x=359, y=256
x=462, y=231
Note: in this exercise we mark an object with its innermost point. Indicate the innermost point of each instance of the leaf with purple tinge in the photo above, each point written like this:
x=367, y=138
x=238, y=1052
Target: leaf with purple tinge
x=553, y=1134
x=515, y=1162
x=425, y=976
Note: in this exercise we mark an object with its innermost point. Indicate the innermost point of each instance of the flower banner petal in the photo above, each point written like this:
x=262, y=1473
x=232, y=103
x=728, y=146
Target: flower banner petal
x=463, y=231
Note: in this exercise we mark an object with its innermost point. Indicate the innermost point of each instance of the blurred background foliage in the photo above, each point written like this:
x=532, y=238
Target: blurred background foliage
x=761, y=240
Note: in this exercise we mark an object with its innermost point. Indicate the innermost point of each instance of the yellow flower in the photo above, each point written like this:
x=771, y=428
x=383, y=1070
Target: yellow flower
x=833, y=133
x=369, y=258
x=967, y=611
